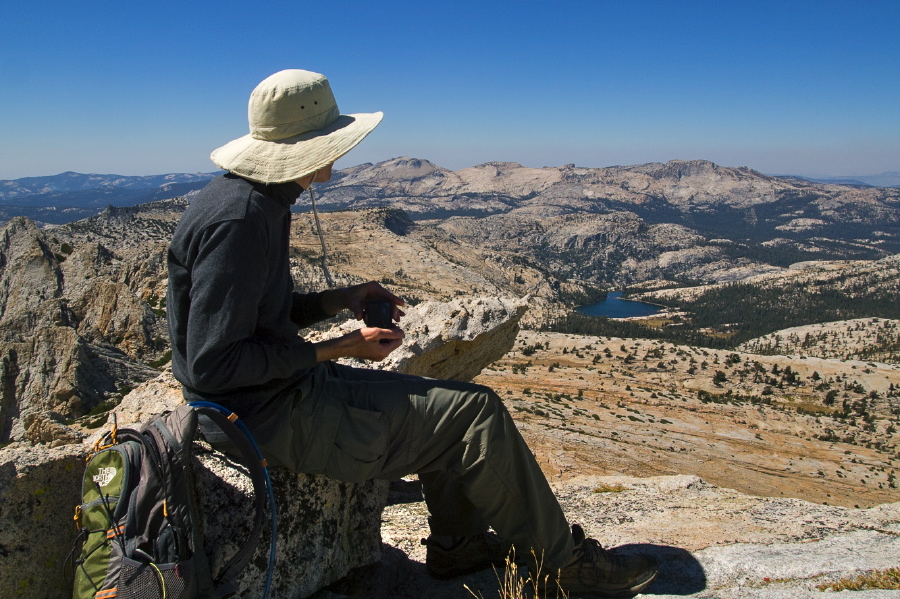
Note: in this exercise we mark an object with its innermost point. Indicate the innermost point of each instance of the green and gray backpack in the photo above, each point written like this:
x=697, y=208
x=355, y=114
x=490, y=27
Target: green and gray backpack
x=139, y=524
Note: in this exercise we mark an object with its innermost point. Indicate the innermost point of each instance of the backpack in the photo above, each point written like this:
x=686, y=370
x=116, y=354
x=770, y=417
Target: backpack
x=139, y=525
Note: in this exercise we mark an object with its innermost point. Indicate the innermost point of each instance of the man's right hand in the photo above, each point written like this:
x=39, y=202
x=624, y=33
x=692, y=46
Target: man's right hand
x=367, y=343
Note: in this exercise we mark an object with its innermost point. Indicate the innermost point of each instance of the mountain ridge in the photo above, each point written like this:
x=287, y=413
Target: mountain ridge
x=409, y=175
x=71, y=181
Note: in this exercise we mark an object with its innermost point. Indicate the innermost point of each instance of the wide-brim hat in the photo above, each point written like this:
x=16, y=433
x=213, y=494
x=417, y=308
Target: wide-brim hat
x=295, y=130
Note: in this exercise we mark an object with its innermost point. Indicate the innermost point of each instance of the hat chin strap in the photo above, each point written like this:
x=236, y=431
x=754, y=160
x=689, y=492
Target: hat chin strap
x=312, y=196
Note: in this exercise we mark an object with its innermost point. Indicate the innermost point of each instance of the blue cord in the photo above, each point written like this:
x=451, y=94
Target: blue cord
x=274, y=524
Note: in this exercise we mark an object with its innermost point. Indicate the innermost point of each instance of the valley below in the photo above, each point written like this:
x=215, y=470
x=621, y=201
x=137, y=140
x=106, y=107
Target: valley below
x=612, y=406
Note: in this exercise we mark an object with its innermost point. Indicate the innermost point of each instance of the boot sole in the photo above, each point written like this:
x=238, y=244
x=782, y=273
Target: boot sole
x=612, y=593
x=457, y=572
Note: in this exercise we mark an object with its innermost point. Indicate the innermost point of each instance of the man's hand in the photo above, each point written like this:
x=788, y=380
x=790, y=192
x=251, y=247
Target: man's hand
x=366, y=344
x=354, y=298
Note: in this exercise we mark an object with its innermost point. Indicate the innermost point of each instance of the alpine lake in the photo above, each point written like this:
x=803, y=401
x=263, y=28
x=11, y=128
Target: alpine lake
x=615, y=307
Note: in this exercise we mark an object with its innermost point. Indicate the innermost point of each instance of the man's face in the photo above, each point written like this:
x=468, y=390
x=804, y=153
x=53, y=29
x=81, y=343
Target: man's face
x=320, y=176
x=323, y=174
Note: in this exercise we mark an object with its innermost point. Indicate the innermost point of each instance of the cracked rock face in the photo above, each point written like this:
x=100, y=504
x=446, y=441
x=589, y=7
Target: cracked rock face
x=326, y=528
x=73, y=332
x=452, y=340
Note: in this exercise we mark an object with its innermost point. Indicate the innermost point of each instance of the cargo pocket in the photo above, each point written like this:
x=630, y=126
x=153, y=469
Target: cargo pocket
x=360, y=445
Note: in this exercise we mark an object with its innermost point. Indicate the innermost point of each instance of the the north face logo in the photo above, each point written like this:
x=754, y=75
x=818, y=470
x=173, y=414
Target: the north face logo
x=103, y=476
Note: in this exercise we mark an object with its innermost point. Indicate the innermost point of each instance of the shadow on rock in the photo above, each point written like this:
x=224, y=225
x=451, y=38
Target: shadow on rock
x=375, y=581
x=679, y=572
x=396, y=576
x=405, y=491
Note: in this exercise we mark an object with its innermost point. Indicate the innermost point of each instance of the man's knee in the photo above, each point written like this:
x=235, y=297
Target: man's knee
x=456, y=410
x=487, y=400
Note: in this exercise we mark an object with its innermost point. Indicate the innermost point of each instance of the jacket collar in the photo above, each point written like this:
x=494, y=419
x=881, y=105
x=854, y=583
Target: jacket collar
x=285, y=193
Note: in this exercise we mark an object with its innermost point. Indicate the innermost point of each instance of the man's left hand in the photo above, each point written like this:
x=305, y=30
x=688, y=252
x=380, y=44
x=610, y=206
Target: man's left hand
x=353, y=298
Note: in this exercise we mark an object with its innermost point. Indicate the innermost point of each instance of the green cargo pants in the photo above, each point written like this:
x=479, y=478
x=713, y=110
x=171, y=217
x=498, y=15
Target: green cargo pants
x=476, y=470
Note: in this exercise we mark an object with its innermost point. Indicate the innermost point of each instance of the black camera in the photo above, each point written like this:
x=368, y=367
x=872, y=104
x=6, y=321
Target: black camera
x=379, y=314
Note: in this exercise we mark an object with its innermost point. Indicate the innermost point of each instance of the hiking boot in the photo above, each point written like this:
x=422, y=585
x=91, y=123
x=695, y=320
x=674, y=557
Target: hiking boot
x=604, y=573
x=465, y=555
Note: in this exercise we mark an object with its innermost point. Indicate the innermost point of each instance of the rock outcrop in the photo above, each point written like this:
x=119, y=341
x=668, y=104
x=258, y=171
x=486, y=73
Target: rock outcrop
x=39, y=489
x=451, y=340
x=326, y=528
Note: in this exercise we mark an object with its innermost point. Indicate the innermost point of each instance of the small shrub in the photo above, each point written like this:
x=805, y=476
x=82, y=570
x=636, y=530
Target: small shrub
x=876, y=579
x=103, y=407
x=96, y=422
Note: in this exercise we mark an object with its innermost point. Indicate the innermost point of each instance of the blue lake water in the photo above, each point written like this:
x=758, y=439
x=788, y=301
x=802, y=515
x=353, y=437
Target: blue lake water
x=615, y=307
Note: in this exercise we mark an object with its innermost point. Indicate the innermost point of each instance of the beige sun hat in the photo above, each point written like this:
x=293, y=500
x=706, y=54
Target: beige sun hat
x=295, y=129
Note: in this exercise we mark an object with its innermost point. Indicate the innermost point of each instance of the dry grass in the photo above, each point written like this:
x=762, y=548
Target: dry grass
x=604, y=488
x=514, y=586
x=877, y=579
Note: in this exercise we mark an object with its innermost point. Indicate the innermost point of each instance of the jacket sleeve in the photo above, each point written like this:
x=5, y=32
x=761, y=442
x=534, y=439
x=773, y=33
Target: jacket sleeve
x=306, y=309
x=228, y=279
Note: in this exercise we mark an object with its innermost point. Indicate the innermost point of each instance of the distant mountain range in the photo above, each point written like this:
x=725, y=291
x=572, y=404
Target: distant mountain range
x=70, y=196
x=676, y=221
x=63, y=198
x=890, y=179
x=24, y=191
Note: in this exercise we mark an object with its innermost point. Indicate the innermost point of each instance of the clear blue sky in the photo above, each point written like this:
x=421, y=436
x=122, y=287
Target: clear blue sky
x=139, y=87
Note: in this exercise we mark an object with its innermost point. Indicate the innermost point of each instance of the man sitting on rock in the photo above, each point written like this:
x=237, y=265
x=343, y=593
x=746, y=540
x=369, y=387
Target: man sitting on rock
x=234, y=320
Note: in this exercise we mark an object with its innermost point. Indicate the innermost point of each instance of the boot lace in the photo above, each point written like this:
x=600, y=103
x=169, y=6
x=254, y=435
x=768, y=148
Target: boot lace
x=594, y=554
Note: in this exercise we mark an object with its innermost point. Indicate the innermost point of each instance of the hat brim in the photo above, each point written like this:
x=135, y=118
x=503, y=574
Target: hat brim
x=294, y=157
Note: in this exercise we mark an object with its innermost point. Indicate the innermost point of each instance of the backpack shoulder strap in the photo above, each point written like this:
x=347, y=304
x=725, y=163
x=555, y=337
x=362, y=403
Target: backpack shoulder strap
x=241, y=441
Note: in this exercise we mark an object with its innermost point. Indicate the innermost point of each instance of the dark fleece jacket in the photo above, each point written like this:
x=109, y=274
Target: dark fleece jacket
x=233, y=316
